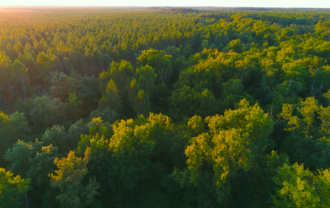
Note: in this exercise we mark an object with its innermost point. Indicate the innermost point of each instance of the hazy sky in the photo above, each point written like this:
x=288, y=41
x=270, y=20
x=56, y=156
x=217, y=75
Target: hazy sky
x=224, y=3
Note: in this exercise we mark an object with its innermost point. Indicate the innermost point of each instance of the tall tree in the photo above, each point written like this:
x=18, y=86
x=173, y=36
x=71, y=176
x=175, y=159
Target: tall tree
x=299, y=187
x=140, y=89
x=69, y=179
x=12, y=189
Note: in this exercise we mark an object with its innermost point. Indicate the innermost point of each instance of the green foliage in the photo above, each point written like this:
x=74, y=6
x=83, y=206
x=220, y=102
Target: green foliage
x=308, y=133
x=111, y=99
x=196, y=124
x=302, y=188
x=323, y=26
x=139, y=154
x=158, y=60
x=47, y=111
x=119, y=72
x=100, y=81
x=69, y=177
x=12, y=128
x=57, y=136
x=186, y=102
x=106, y=115
x=235, y=142
x=32, y=160
x=232, y=93
x=140, y=89
x=12, y=189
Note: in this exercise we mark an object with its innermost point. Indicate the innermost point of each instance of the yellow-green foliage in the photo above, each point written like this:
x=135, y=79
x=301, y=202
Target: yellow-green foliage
x=4, y=117
x=234, y=142
x=300, y=187
x=12, y=189
x=69, y=179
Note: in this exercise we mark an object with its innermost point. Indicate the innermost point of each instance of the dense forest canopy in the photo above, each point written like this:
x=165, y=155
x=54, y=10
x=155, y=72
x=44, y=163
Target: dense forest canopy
x=164, y=107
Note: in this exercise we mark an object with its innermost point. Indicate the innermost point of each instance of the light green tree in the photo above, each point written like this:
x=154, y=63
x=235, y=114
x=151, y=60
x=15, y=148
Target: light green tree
x=235, y=144
x=299, y=187
x=158, y=60
x=307, y=125
x=69, y=179
x=12, y=189
x=111, y=98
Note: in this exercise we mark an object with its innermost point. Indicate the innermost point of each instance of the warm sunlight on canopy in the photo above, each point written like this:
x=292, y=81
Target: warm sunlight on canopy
x=233, y=3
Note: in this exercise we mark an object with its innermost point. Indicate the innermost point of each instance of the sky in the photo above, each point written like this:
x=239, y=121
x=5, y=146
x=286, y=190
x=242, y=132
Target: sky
x=185, y=3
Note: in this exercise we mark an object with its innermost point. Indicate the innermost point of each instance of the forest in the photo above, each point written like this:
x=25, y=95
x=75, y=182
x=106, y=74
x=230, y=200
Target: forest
x=164, y=107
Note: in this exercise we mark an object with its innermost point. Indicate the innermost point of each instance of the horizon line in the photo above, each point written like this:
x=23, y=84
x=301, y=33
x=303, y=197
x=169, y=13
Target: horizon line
x=95, y=6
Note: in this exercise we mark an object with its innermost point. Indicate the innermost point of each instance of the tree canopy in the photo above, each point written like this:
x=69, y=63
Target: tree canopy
x=164, y=107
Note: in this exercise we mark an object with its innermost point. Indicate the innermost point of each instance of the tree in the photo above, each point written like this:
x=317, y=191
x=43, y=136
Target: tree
x=323, y=26
x=187, y=102
x=35, y=161
x=88, y=93
x=73, y=108
x=106, y=115
x=232, y=92
x=139, y=154
x=120, y=73
x=6, y=88
x=196, y=124
x=75, y=131
x=12, y=128
x=44, y=66
x=159, y=61
x=111, y=98
x=47, y=111
x=235, y=144
x=61, y=85
x=141, y=88
x=57, y=136
x=299, y=187
x=32, y=160
x=12, y=189
x=69, y=179
x=21, y=75
x=308, y=135
x=20, y=155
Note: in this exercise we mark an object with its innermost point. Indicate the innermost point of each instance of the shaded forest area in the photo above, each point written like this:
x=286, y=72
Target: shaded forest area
x=158, y=108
